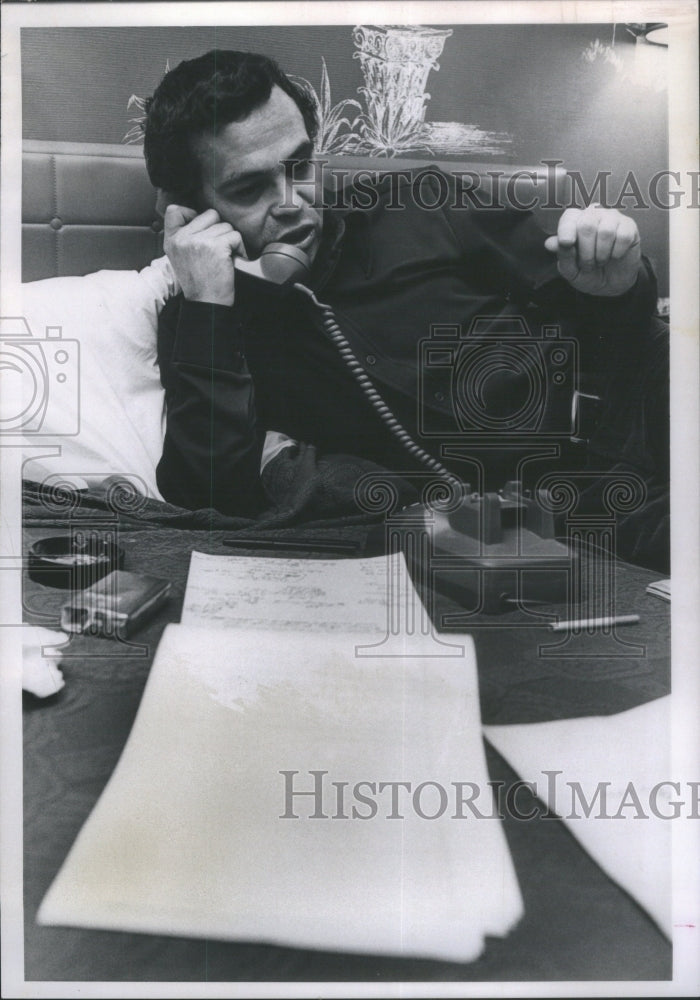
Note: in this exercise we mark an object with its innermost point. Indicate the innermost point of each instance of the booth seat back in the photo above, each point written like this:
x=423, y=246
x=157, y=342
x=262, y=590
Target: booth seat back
x=86, y=207
x=90, y=206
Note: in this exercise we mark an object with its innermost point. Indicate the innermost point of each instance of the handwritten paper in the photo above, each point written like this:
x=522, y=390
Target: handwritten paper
x=207, y=827
x=316, y=595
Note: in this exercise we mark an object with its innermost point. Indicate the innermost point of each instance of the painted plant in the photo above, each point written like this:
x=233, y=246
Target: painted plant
x=396, y=61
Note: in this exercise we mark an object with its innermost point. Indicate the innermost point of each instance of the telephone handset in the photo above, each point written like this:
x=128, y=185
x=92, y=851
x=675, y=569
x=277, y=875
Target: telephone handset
x=278, y=264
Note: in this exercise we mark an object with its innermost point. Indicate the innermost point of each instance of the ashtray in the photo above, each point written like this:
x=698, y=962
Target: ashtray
x=73, y=562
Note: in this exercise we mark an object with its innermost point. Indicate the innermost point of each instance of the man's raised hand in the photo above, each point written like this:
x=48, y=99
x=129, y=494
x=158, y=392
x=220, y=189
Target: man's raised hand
x=200, y=248
x=598, y=250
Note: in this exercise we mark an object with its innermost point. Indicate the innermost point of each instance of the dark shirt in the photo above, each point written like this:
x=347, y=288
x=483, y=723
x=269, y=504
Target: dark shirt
x=458, y=315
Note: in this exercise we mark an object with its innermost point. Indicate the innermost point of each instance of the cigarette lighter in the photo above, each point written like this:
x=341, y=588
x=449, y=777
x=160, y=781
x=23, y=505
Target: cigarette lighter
x=116, y=605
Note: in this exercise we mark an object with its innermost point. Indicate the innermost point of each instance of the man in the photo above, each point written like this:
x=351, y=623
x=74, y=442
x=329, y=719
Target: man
x=237, y=361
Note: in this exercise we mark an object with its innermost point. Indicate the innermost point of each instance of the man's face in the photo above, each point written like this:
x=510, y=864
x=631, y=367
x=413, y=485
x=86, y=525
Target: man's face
x=244, y=179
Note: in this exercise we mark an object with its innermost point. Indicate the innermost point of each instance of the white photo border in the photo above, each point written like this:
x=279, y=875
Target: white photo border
x=682, y=18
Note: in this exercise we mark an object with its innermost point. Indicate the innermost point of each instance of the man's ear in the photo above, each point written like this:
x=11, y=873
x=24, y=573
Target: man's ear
x=165, y=198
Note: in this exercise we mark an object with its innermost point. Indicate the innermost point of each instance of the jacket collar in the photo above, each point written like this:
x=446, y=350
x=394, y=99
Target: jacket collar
x=343, y=227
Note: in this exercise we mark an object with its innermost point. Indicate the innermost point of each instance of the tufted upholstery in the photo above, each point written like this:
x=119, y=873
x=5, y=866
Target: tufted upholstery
x=86, y=207
x=90, y=206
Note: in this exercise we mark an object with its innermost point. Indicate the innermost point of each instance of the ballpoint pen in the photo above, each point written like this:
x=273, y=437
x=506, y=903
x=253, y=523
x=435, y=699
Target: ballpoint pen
x=286, y=544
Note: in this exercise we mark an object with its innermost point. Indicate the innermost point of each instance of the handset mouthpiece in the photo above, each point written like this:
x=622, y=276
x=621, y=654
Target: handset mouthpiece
x=279, y=263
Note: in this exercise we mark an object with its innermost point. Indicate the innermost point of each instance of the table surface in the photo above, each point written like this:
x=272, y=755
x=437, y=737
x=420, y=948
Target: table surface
x=578, y=924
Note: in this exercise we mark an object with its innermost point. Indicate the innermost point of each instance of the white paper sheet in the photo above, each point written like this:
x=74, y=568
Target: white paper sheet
x=627, y=749
x=187, y=838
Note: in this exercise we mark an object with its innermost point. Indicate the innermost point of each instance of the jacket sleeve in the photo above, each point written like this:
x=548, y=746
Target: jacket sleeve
x=623, y=316
x=212, y=448
x=516, y=241
x=510, y=241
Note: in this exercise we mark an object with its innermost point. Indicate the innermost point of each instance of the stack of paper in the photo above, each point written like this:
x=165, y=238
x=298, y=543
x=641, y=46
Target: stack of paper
x=278, y=787
x=607, y=777
x=660, y=588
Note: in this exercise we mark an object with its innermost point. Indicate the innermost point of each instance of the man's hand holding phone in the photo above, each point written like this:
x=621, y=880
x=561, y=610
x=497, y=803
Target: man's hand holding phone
x=201, y=249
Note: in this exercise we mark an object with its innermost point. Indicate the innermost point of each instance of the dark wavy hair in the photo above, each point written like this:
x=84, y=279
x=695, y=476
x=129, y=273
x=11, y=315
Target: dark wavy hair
x=204, y=95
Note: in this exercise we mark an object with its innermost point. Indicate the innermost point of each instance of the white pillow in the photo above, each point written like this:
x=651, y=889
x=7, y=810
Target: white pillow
x=107, y=416
x=109, y=389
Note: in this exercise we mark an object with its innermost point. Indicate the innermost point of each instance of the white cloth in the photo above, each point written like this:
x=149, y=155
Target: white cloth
x=110, y=318
x=40, y=659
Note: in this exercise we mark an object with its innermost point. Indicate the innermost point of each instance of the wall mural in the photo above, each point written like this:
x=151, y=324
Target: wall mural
x=637, y=65
x=389, y=120
x=396, y=61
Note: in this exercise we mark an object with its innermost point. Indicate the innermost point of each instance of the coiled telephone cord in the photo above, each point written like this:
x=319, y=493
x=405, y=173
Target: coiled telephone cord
x=337, y=337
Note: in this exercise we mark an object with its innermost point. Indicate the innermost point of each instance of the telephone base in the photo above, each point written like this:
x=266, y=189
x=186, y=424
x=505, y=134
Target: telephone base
x=498, y=550
x=521, y=568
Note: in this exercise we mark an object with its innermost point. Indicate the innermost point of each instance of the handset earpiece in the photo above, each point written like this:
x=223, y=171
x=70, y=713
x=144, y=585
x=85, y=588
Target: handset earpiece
x=279, y=264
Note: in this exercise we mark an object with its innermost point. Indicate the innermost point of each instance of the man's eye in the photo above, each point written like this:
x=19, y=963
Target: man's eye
x=247, y=193
x=299, y=169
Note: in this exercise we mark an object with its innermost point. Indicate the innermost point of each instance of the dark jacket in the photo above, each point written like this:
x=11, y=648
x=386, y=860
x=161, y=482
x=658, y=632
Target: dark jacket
x=459, y=317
